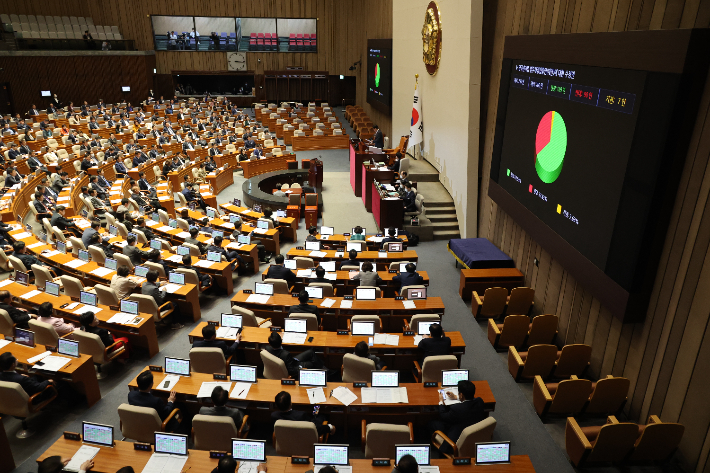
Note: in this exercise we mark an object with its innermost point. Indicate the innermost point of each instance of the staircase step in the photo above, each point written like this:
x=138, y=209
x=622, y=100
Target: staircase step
x=439, y=210
x=445, y=225
x=446, y=234
x=439, y=203
x=423, y=177
x=442, y=218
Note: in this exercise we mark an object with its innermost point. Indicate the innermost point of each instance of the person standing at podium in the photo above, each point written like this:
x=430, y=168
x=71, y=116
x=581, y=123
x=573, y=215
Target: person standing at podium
x=378, y=140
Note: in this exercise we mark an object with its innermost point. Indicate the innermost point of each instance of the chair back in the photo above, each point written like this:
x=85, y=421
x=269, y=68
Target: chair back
x=274, y=367
x=164, y=217
x=248, y=316
x=4, y=260
x=97, y=254
x=106, y=295
x=280, y=285
x=72, y=286
x=479, y=432
x=543, y=329
x=158, y=267
x=494, y=301
x=294, y=199
x=58, y=235
x=571, y=396
x=44, y=333
x=190, y=276
x=311, y=200
x=76, y=245
x=574, y=359
x=521, y=299
x=15, y=401
x=268, y=221
x=123, y=260
x=7, y=326
x=311, y=320
x=327, y=288
x=433, y=365
x=17, y=264
x=540, y=361
x=304, y=263
x=658, y=441
x=404, y=164
x=213, y=432
x=182, y=224
x=356, y=368
x=91, y=344
x=368, y=318
x=139, y=423
x=194, y=250
x=416, y=318
x=294, y=437
x=613, y=443
x=42, y=275
x=208, y=360
x=146, y=304
x=609, y=395
x=380, y=439
x=378, y=291
x=140, y=236
x=110, y=219
x=515, y=329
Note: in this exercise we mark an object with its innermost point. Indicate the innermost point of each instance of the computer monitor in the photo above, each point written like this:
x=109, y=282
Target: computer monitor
x=42, y=236
x=420, y=452
x=217, y=233
x=234, y=218
x=214, y=256
x=111, y=264
x=290, y=264
x=183, y=250
x=295, y=325
x=176, y=278
x=237, y=202
x=330, y=454
x=141, y=271
x=25, y=337
x=22, y=278
x=179, y=366
x=423, y=327
x=172, y=223
x=230, y=320
x=385, y=379
x=414, y=293
x=156, y=244
x=362, y=328
x=84, y=255
x=51, y=288
x=155, y=217
x=313, y=245
x=244, y=239
x=491, y=453
x=395, y=247
x=365, y=293
x=88, y=298
x=280, y=214
x=133, y=235
x=452, y=377
x=403, y=267
x=113, y=230
x=327, y=230
x=315, y=378
x=129, y=307
x=257, y=208
x=314, y=292
x=264, y=288
x=263, y=224
x=210, y=212
x=329, y=266
x=99, y=434
x=353, y=246
x=364, y=231
x=68, y=347
x=62, y=247
x=242, y=373
x=249, y=450
x=174, y=444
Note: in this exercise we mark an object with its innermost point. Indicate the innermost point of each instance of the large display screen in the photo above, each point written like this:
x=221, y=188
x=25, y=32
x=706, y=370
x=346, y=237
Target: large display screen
x=568, y=135
x=379, y=73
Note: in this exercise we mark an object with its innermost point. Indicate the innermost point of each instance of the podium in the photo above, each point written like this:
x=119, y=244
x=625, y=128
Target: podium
x=315, y=174
x=311, y=216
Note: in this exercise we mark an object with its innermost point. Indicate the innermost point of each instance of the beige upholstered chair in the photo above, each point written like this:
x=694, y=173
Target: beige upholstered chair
x=512, y=332
x=538, y=360
x=378, y=291
x=141, y=423
x=328, y=290
x=147, y=304
x=492, y=304
x=294, y=437
x=158, y=267
x=465, y=446
x=413, y=323
x=7, y=326
x=274, y=367
x=91, y=344
x=123, y=260
x=249, y=319
x=216, y=432
x=182, y=224
x=366, y=318
x=4, y=261
x=97, y=254
x=268, y=221
x=194, y=250
x=280, y=285
x=311, y=320
x=107, y=296
x=304, y=263
x=73, y=287
x=430, y=370
x=14, y=401
x=608, y=443
x=566, y=397
x=191, y=278
x=45, y=334
x=378, y=440
x=356, y=368
x=44, y=274
x=17, y=265
x=208, y=360
x=76, y=245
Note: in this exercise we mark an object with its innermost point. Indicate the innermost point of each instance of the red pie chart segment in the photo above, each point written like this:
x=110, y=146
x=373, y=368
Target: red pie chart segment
x=544, y=130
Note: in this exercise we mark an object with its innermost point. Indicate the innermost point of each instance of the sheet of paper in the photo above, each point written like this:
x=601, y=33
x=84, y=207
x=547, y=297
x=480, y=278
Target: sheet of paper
x=245, y=211
x=316, y=396
x=37, y=358
x=75, y=263
x=428, y=469
x=258, y=298
x=261, y=231
x=119, y=318
x=346, y=304
x=85, y=452
x=303, y=273
x=47, y=254
x=234, y=246
x=392, y=340
x=35, y=245
x=165, y=228
x=203, y=263
x=6, y=282
x=171, y=288
x=183, y=235
x=240, y=391
x=368, y=395
x=208, y=386
x=327, y=302
x=451, y=389
x=31, y=294
x=384, y=396
x=380, y=339
x=228, y=225
x=339, y=254
x=53, y=363
x=151, y=223
x=88, y=308
x=376, y=239
x=175, y=259
x=4, y=343
x=382, y=254
x=164, y=463
x=171, y=379
x=102, y=271
x=409, y=304
x=227, y=332
x=294, y=338
x=344, y=395
x=417, y=339
x=317, y=254
x=71, y=306
x=331, y=276
x=21, y=236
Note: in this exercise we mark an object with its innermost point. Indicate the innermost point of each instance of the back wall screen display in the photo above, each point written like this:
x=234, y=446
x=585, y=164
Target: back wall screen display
x=568, y=135
x=379, y=73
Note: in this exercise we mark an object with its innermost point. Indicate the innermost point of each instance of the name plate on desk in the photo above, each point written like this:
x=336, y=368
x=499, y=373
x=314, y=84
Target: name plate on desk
x=51, y=348
x=343, y=332
x=461, y=461
x=218, y=454
x=275, y=329
x=213, y=323
x=299, y=248
x=393, y=271
x=408, y=333
x=300, y=460
x=143, y=447
x=72, y=435
x=157, y=369
x=294, y=294
x=247, y=291
x=431, y=384
x=348, y=298
x=380, y=462
x=359, y=384
x=219, y=376
x=399, y=298
x=288, y=382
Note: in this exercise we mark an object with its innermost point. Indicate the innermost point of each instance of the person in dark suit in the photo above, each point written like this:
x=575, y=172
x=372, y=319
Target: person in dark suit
x=135, y=254
x=320, y=275
x=145, y=229
x=453, y=419
x=231, y=255
x=151, y=288
x=43, y=211
x=58, y=220
x=220, y=396
x=308, y=359
x=395, y=164
x=209, y=340
x=192, y=196
x=205, y=279
x=19, y=316
x=278, y=271
x=286, y=412
x=143, y=183
x=409, y=198
x=436, y=343
x=353, y=261
x=410, y=278
x=390, y=237
x=120, y=168
x=378, y=140
x=363, y=351
x=31, y=385
x=14, y=153
x=13, y=177
x=304, y=307
x=144, y=398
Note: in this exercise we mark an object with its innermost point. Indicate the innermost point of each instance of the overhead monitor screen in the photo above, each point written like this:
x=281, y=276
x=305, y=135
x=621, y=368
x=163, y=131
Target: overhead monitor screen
x=379, y=73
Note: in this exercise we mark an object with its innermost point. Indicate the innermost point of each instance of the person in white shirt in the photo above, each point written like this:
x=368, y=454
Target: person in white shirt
x=51, y=157
x=122, y=283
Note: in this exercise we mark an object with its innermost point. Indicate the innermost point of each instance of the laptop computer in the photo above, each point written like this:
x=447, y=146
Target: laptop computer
x=22, y=278
x=362, y=328
x=421, y=453
x=141, y=271
x=183, y=250
x=414, y=293
x=264, y=288
x=89, y=298
x=51, y=288
x=327, y=231
x=176, y=278
x=111, y=264
x=294, y=324
x=365, y=293
x=423, y=327
x=25, y=337
x=129, y=307
x=314, y=292
x=312, y=245
x=452, y=377
x=249, y=450
x=329, y=454
x=244, y=239
x=290, y=264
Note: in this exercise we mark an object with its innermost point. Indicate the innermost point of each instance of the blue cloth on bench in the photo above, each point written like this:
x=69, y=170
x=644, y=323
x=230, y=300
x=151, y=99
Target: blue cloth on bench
x=479, y=253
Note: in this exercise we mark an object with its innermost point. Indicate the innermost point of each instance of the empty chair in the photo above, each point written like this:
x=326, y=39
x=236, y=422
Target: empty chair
x=538, y=360
x=17, y=403
x=512, y=332
x=7, y=326
x=357, y=368
x=141, y=423
x=572, y=359
x=147, y=304
x=91, y=344
x=492, y=304
x=216, y=432
x=73, y=287
x=543, y=329
x=608, y=396
x=44, y=274
x=465, y=446
x=520, y=301
x=657, y=441
x=249, y=319
x=76, y=245
x=280, y=285
x=158, y=267
x=304, y=263
x=44, y=333
x=208, y=360
x=566, y=397
x=107, y=296
x=608, y=443
x=378, y=440
x=431, y=369
x=294, y=437
x=97, y=254
x=274, y=368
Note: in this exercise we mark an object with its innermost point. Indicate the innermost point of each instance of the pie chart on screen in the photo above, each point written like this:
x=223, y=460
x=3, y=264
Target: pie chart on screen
x=550, y=147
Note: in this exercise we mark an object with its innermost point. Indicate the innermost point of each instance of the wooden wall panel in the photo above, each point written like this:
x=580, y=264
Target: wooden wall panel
x=343, y=30
x=666, y=356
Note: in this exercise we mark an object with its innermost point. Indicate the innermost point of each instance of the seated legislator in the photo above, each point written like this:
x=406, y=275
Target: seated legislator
x=436, y=343
x=46, y=315
x=312, y=232
x=454, y=418
x=362, y=350
x=43, y=210
x=406, y=464
x=192, y=196
x=357, y=234
x=20, y=317
x=229, y=465
x=220, y=396
x=144, y=398
x=353, y=261
x=209, y=340
x=31, y=385
x=90, y=324
x=278, y=271
x=91, y=230
x=409, y=278
x=368, y=276
x=285, y=412
x=391, y=232
x=134, y=253
x=152, y=288
x=320, y=275
x=192, y=239
x=308, y=359
x=230, y=255
x=304, y=307
x=20, y=250
x=58, y=220
x=103, y=243
x=122, y=283
x=205, y=279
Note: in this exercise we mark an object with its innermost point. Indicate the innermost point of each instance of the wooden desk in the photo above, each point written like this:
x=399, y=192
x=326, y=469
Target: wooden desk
x=221, y=180
x=388, y=212
x=370, y=174
x=79, y=372
x=357, y=157
x=289, y=225
x=391, y=311
x=481, y=279
x=518, y=464
x=261, y=166
x=382, y=262
x=331, y=347
x=373, y=243
x=301, y=143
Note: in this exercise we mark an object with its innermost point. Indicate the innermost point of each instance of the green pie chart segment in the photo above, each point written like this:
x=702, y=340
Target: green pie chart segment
x=550, y=147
